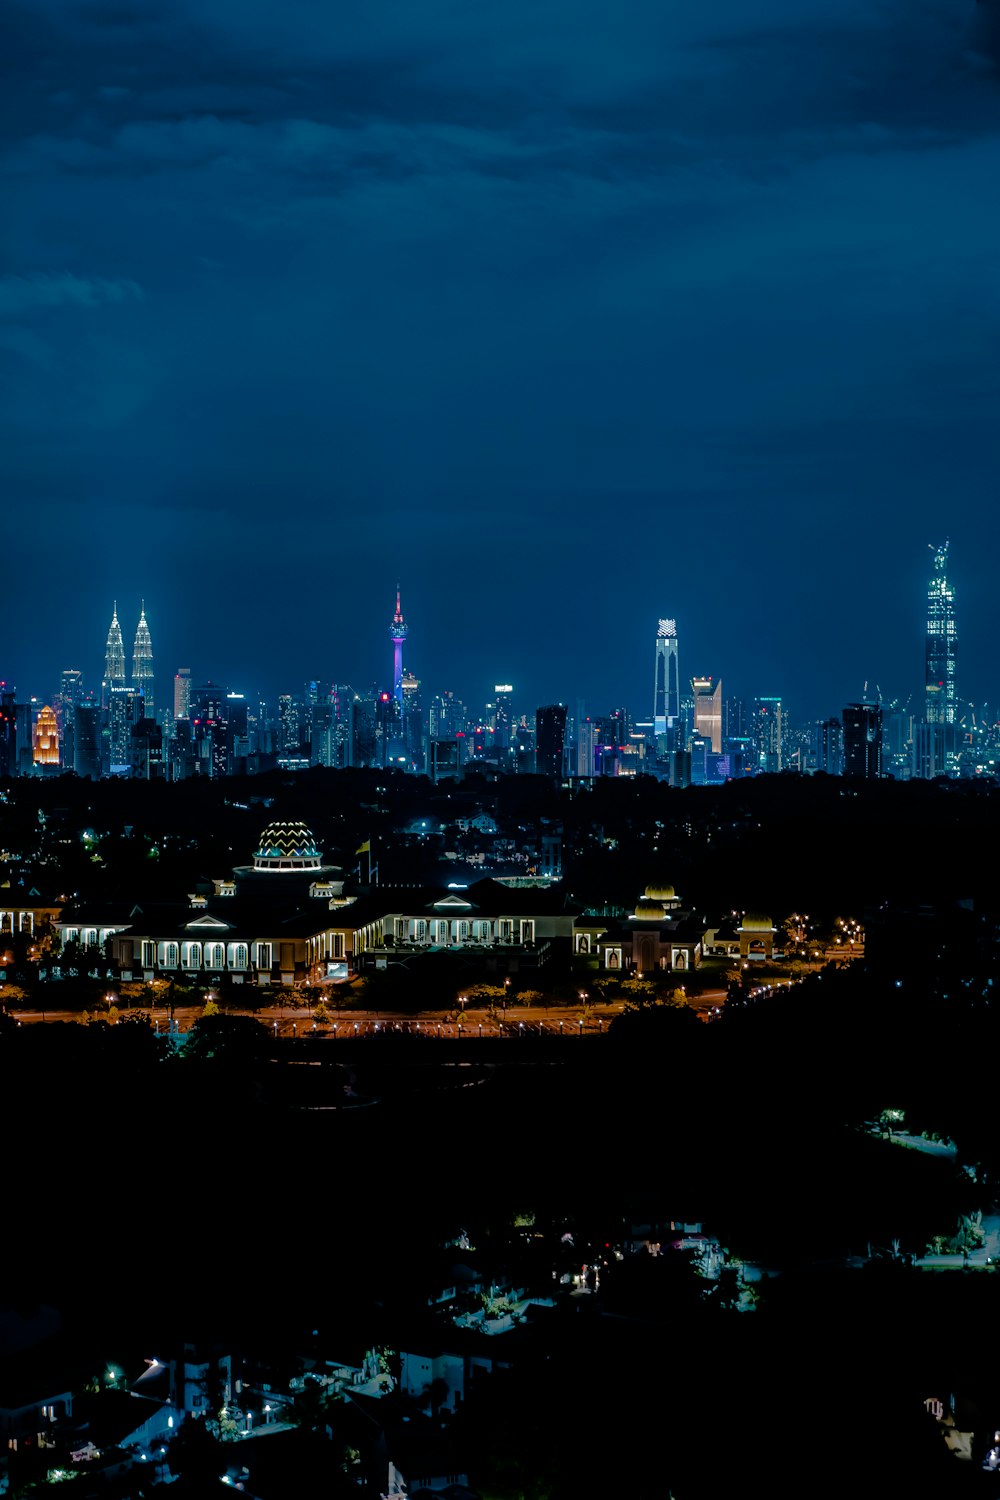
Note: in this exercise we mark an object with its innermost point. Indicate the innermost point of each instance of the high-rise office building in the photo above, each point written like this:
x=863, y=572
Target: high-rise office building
x=768, y=734
x=142, y=664
x=828, y=747
x=503, y=716
x=69, y=695
x=586, y=746
x=8, y=730
x=46, y=738
x=550, y=738
x=125, y=709
x=413, y=721
x=364, y=731
x=182, y=692
x=667, y=686
x=288, y=715
x=863, y=740
x=708, y=711
x=70, y=686
x=398, y=632
x=87, y=740
x=114, y=659
x=942, y=643
x=341, y=698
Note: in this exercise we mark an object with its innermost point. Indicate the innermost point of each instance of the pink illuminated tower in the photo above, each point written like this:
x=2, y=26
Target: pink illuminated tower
x=398, y=630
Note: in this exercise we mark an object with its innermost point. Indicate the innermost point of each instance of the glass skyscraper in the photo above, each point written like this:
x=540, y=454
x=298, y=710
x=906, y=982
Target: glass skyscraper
x=667, y=686
x=942, y=643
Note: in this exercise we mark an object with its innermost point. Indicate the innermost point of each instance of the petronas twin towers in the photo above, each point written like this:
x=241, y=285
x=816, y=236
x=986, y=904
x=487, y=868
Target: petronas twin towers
x=142, y=660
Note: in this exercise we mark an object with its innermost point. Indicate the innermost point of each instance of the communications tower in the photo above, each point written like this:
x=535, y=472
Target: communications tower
x=398, y=632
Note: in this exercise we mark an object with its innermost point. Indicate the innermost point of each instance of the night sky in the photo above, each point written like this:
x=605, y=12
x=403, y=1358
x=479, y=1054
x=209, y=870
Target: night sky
x=569, y=315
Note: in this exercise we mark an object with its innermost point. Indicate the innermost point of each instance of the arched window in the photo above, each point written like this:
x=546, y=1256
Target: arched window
x=170, y=955
x=215, y=956
x=239, y=956
x=192, y=955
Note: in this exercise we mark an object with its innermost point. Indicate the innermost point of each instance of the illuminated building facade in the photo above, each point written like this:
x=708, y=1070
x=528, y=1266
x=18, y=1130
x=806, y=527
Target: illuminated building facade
x=182, y=692
x=768, y=734
x=708, y=711
x=46, y=738
x=142, y=664
x=666, y=687
x=124, y=711
x=398, y=632
x=942, y=643
x=114, y=659
x=828, y=752
x=863, y=740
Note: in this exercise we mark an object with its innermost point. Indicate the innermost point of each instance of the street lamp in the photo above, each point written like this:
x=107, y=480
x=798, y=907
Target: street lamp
x=462, y=1000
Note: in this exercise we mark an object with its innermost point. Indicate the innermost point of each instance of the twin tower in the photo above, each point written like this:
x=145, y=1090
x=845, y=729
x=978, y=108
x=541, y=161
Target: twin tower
x=142, y=660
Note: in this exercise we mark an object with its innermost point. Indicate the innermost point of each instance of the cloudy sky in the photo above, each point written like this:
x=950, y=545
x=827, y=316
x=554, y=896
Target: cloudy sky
x=568, y=315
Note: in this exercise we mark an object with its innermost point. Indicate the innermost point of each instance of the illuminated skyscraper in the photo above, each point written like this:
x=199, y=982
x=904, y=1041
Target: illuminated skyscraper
x=398, y=631
x=667, y=687
x=708, y=711
x=863, y=740
x=769, y=734
x=46, y=738
x=182, y=692
x=142, y=664
x=942, y=643
x=503, y=698
x=125, y=709
x=114, y=659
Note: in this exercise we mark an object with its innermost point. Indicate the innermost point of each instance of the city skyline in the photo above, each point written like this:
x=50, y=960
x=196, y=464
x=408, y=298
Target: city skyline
x=665, y=314
x=939, y=620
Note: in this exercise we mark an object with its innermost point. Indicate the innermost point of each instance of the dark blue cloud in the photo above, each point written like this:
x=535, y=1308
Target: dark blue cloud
x=570, y=315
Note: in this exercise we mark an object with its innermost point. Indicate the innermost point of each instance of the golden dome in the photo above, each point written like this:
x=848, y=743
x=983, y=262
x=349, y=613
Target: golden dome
x=660, y=893
x=648, y=911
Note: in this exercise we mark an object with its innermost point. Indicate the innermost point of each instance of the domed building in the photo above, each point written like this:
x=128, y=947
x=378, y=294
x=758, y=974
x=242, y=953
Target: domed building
x=658, y=935
x=287, y=846
x=288, y=855
x=664, y=894
x=756, y=934
x=281, y=920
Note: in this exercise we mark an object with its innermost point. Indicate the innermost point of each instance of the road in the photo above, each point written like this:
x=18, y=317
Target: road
x=287, y=1021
